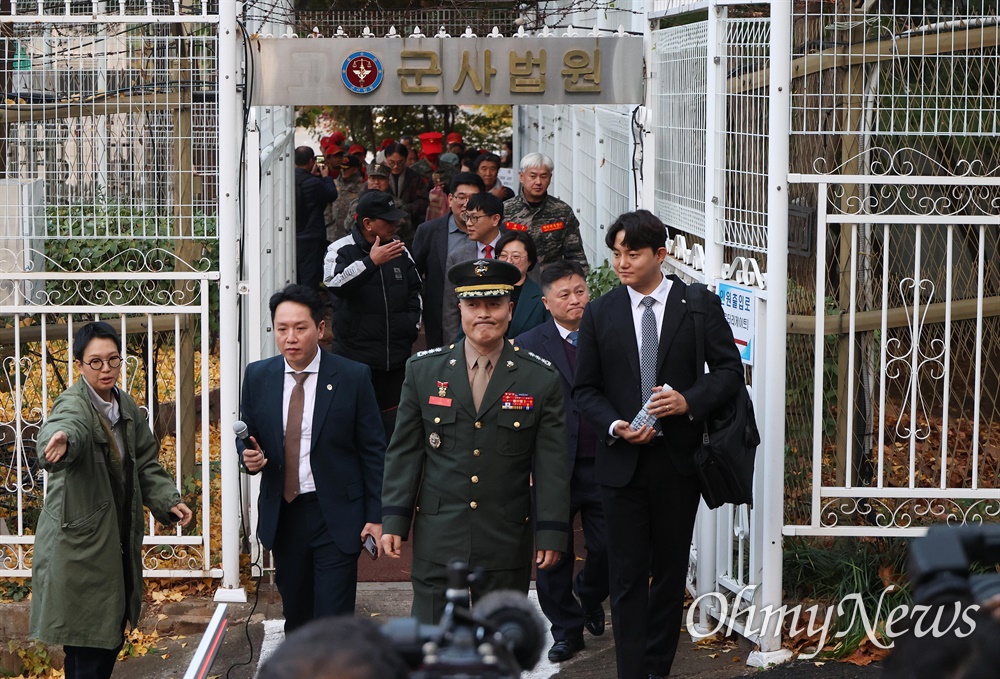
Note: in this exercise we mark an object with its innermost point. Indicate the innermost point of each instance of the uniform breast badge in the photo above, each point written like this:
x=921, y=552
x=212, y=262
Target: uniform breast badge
x=435, y=440
x=440, y=400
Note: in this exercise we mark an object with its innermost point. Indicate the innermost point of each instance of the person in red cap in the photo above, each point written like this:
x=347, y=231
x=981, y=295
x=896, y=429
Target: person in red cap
x=338, y=137
x=333, y=155
x=455, y=144
x=358, y=151
x=430, y=147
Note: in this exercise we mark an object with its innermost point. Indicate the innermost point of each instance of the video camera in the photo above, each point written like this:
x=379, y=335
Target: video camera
x=499, y=638
x=944, y=588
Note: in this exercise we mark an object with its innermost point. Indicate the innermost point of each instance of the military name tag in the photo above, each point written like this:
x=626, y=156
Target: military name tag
x=554, y=226
x=439, y=401
x=434, y=439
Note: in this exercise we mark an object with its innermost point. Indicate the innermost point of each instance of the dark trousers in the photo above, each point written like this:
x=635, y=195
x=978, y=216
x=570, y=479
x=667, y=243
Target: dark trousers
x=86, y=662
x=309, y=256
x=650, y=522
x=315, y=578
x=556, y=585
x=430, y=580
x=388, y=385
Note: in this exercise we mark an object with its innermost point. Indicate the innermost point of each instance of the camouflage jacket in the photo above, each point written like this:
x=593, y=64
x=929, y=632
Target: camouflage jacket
x=445, y=171
x=553, y=227
x=339, y=214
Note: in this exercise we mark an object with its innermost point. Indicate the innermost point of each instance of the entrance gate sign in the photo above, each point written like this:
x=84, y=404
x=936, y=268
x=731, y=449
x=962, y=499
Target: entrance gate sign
x=423, y=71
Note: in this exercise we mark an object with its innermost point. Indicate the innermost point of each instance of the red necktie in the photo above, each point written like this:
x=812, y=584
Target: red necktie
x=488, y=251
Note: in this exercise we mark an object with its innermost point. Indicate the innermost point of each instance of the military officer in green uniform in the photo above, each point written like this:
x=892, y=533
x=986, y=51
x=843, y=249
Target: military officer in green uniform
x=478, y=422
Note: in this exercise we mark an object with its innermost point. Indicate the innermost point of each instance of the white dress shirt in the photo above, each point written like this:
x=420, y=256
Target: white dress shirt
x=659, y=306
x=306, y=482
x=481, y=247
x=635, y=297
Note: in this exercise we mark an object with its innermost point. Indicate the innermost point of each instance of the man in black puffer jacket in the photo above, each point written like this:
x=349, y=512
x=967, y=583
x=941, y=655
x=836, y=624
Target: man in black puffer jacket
x=376, y=307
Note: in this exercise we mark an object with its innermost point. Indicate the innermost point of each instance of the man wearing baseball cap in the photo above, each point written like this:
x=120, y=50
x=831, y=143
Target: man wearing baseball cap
x=376, y=288
x=455, y=144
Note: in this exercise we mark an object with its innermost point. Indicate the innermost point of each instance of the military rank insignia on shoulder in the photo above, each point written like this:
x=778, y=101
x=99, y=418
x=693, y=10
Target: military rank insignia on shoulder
x=547, y=363
x=428, y=352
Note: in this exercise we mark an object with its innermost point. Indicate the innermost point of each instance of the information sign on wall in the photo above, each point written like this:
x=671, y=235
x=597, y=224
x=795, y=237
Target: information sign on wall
x=739, y=304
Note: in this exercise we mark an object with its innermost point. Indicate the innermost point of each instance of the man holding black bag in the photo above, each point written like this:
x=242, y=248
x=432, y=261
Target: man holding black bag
x=650, y=488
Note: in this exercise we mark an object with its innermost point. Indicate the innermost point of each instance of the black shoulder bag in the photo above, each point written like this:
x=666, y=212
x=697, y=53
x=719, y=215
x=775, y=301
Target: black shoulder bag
x=729, y=440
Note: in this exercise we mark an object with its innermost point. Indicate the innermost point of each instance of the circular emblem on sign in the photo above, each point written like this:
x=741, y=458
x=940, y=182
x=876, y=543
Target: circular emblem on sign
x=362, y=72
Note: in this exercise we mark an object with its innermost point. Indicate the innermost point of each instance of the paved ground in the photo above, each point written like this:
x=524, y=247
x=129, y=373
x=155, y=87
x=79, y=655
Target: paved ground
x=388, y=600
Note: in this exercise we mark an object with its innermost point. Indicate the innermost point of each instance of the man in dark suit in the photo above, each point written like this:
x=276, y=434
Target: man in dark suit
x=431, y=245
x=637, y=336
x=316, y=436
x=564, y=285
x=478, y=422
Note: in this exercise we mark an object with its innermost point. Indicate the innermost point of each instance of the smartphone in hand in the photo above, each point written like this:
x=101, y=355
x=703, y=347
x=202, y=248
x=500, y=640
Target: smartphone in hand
x=371, y=547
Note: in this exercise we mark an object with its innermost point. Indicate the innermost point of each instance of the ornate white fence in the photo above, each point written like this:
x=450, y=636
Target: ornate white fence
x=115, y=208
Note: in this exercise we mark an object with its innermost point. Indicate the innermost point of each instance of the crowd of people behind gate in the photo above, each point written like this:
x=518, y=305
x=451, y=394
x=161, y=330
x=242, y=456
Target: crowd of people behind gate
x=487, y=444
x=516, y=417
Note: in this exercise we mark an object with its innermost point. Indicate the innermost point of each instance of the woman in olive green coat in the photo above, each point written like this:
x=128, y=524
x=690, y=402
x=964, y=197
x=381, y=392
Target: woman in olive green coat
x=102, y=462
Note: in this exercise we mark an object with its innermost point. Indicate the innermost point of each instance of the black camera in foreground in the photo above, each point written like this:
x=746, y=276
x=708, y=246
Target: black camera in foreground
x=951, y=635
x=497, y=639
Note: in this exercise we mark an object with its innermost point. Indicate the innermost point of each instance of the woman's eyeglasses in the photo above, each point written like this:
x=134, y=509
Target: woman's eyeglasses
x=98, y=364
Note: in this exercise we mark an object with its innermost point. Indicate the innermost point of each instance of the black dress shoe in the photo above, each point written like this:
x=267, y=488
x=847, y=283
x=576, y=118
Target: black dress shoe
x=595, y=621
x=565, y=649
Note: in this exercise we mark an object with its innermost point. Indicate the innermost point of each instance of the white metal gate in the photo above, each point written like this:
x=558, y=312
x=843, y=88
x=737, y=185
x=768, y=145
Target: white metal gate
x=894, y=296
x=114, y=125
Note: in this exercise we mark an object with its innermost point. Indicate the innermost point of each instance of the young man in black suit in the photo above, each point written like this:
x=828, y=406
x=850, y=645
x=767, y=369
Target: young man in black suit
x=316, y=437
x=571, y=603
x=633, y=341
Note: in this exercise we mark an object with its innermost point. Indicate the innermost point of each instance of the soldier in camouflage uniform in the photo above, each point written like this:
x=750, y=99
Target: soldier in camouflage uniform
x=378, y=180
x=350, y=184
x=431, y=167
x=549, y=221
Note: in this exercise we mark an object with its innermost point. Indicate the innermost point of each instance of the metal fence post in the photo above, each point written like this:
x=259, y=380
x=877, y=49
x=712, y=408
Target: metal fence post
x=229, y=236
x=773, y=448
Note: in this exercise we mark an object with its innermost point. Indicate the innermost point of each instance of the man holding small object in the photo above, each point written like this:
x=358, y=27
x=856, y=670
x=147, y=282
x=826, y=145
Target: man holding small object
x=642, y=335
x=477, y=421
x=315, y=435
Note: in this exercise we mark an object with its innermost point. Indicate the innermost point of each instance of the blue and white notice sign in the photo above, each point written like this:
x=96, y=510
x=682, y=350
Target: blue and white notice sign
x=739, y=304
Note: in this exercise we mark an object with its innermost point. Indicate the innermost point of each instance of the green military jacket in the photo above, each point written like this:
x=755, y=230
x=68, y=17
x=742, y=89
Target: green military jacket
x=82, y=588
x=552, y=226
x=445, y=171
x=464, y=477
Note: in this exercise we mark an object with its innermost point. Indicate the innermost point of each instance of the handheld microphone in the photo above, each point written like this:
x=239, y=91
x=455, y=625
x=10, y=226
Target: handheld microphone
x=240, y=429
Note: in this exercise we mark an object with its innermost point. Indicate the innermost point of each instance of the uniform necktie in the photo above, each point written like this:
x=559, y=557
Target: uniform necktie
x=487, y=252
x=573, y=337
x=647, y=349
x=479, y=381
x=293, y=435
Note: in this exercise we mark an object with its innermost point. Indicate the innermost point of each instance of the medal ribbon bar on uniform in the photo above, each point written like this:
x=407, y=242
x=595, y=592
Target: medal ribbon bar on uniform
x=512, y=401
